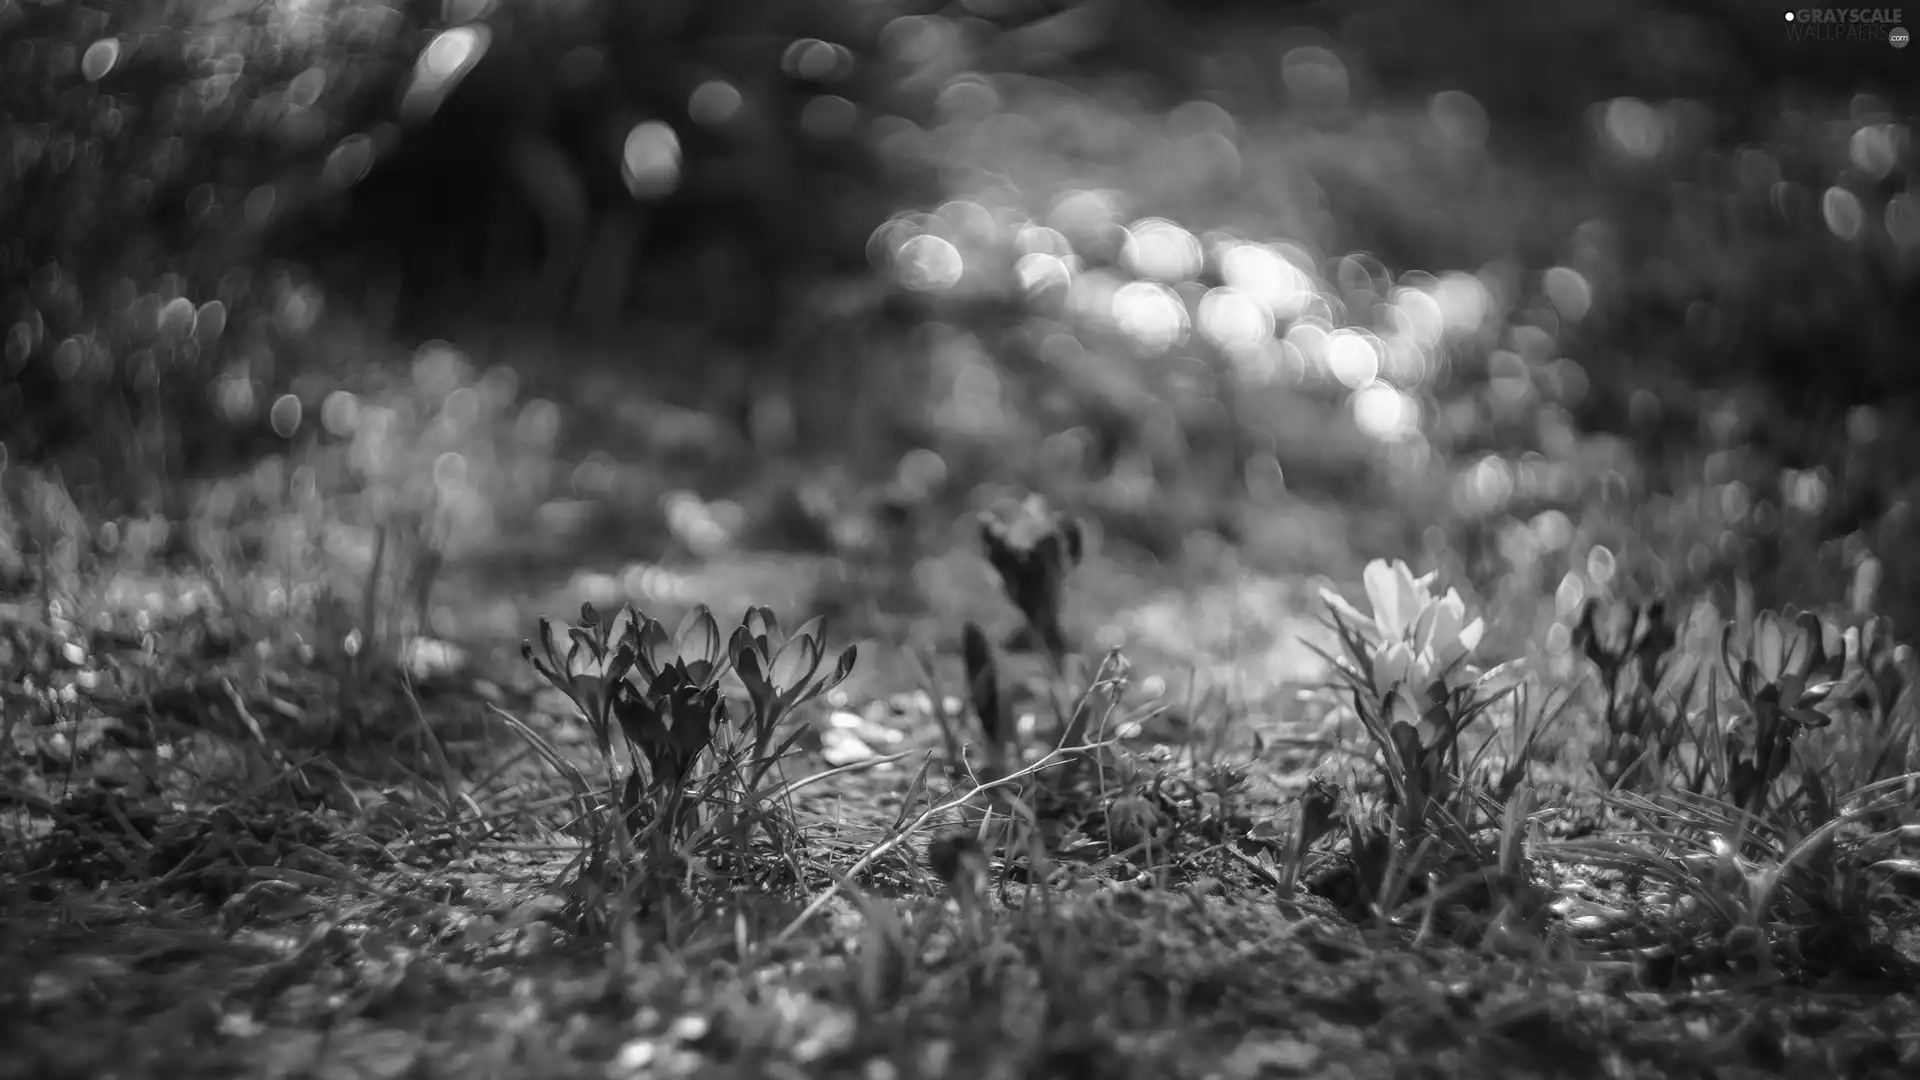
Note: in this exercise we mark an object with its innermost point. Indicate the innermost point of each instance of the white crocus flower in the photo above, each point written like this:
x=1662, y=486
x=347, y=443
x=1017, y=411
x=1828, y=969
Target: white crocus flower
x=1417, y=637
x=1396, y=595
x=1444, y=635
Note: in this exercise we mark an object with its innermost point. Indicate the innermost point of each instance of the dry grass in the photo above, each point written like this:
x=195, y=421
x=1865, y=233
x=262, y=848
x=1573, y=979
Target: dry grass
x=263, y=861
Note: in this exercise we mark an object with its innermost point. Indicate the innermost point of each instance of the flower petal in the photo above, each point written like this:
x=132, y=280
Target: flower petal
x=740, y=643
x=1393, y=666
x=1726, y=655
x=1769, y=652
x=1346, y=612
x=762, y=623
x=699, y=636
x=1448, y=616
x=1875, y=638
x=583, y=642
x=625, y=625
x=1471, y=634
x=796, y=662
x=1420, y=633
x=1805, y=649
x=655, y=651
x=1413, y=590
x=1390, y=607
x=618, y=664
x=812, y=628
x=746, y=664
x=841, y=668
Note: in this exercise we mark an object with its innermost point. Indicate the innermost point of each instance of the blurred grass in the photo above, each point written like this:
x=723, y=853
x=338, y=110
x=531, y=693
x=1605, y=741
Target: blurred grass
x=1431, y=281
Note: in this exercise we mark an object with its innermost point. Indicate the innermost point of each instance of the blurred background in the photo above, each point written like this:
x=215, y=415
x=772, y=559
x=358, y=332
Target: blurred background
x=1561, y=298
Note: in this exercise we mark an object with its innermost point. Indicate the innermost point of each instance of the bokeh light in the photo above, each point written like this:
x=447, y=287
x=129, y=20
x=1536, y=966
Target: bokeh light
x=443, y=63
x=650, y=160
x=1601, y=565
x=1043, y=275
x=1385, y=413
x=1158, y=248
x=236, y=398
x=1459, y=119
x=921, y=472
x=100, y=58
x=285, y=415
x=1419, y=316
x=350, y=160
x=449, y=474
x=1843, y=213
x=340, y=413
x=714, y=102
x=1569, y=291
x=1151, y=314
x=1352, y=358
x=1464, y=301
x=1485, y=486
x=1264, y=274
x=1088, y=219
x=177, y=317
x=1233, y=320
x=1315, y=76
x=817, y=61
x=1634, y=128
x=1876, y=149
x=829, y=116
x=928, y=263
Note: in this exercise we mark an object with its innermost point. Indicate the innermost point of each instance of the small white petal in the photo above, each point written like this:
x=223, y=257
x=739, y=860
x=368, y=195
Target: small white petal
x=1470, y=634
x=1391, y=666
x=1348, y=614
x=1392, y=607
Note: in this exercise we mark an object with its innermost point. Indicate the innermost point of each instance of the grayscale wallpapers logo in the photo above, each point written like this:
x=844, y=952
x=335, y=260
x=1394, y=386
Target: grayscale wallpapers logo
x=1848, y=25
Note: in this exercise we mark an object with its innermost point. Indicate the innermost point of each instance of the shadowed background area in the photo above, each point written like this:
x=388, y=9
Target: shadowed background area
x=1574, y=298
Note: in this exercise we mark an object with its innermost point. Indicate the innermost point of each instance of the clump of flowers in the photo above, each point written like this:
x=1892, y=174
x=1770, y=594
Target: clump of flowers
x=1404, y=666
x=1877, y=669
x=661, y=694
x=1414, y=636
x=781, y=672
x=1633, y=647
x=1033, y=549
x=1783, y=679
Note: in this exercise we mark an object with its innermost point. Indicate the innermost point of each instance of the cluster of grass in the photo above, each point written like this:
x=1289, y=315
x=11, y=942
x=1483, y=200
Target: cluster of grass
x=1712, y=810
x=699, y=795
x=1737, y=818
x=1762, y=791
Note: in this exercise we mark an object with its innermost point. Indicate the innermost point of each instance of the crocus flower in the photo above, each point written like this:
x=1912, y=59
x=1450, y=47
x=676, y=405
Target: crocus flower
x=696, y=649
x=1417, y=638
x=587, y=670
